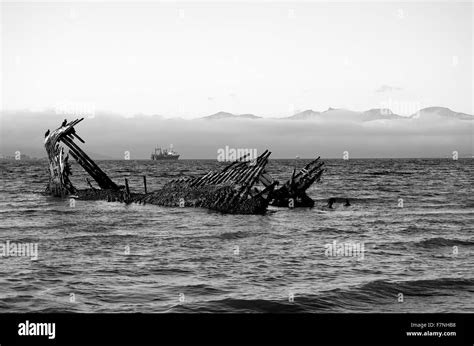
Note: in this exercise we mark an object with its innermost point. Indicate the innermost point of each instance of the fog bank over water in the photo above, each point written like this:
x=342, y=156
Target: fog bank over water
x=431, y=133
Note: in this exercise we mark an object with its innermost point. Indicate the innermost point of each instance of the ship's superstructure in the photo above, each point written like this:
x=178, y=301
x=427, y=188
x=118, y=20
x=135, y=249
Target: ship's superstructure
x=164, y=154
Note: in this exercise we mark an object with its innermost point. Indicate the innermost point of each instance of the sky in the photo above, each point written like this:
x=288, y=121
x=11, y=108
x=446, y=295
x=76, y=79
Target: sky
x=271, y=59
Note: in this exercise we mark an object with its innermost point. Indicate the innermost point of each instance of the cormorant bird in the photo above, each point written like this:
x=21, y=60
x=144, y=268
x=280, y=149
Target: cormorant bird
x=331, y=202
x=46, y=134
x=64, y=122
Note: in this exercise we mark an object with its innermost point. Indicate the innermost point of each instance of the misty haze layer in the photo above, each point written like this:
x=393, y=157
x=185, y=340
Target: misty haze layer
x=430, y=133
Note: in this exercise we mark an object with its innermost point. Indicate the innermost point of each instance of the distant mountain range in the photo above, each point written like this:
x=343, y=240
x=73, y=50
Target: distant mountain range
x=305, y=115
x=380, y=113
x=431, y=132
x=225, y=115
x=370, y=115
x=442, y=112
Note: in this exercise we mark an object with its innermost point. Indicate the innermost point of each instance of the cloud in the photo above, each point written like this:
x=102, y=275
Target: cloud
x=387, y=88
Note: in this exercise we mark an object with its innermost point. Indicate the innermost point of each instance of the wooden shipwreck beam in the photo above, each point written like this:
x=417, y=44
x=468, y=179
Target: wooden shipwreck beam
x=292, y=194
x=59, y=184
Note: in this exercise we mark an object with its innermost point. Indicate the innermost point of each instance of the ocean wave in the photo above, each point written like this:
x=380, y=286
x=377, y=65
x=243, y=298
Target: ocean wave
x=416, y=287
x=427, y=243
x=357, y=299
x=240, y=306
x=414, y=229
x=436, y=242
x=234, y=235
x=386, y=172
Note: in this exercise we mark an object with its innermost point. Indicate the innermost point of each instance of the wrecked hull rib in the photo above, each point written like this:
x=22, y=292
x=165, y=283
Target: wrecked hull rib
x=231, y=190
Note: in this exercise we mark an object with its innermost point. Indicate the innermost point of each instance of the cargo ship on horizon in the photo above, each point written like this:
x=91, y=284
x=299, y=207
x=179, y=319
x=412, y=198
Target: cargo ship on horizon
x=164, y=154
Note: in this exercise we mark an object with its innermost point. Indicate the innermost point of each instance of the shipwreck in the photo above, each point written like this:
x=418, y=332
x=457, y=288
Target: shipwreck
x=242, y=187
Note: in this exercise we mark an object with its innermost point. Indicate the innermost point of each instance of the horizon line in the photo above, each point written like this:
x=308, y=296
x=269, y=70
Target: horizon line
x=33, y=158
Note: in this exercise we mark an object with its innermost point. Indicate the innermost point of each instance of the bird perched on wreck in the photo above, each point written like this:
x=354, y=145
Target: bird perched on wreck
x=46, y=134
x=64, y=123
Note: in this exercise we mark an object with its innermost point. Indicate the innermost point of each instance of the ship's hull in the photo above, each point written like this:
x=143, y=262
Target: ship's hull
x=165, y=158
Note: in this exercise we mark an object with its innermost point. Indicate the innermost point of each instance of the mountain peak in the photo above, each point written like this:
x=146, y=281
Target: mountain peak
x=226, y=115
x=443, y=112
x=304, y=115
x=379, y=114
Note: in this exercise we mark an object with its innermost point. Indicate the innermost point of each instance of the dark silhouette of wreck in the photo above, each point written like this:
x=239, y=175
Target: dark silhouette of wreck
x=242, y=187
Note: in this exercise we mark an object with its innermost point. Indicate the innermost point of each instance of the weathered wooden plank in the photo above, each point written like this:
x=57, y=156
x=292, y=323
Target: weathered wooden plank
x=101, y=178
